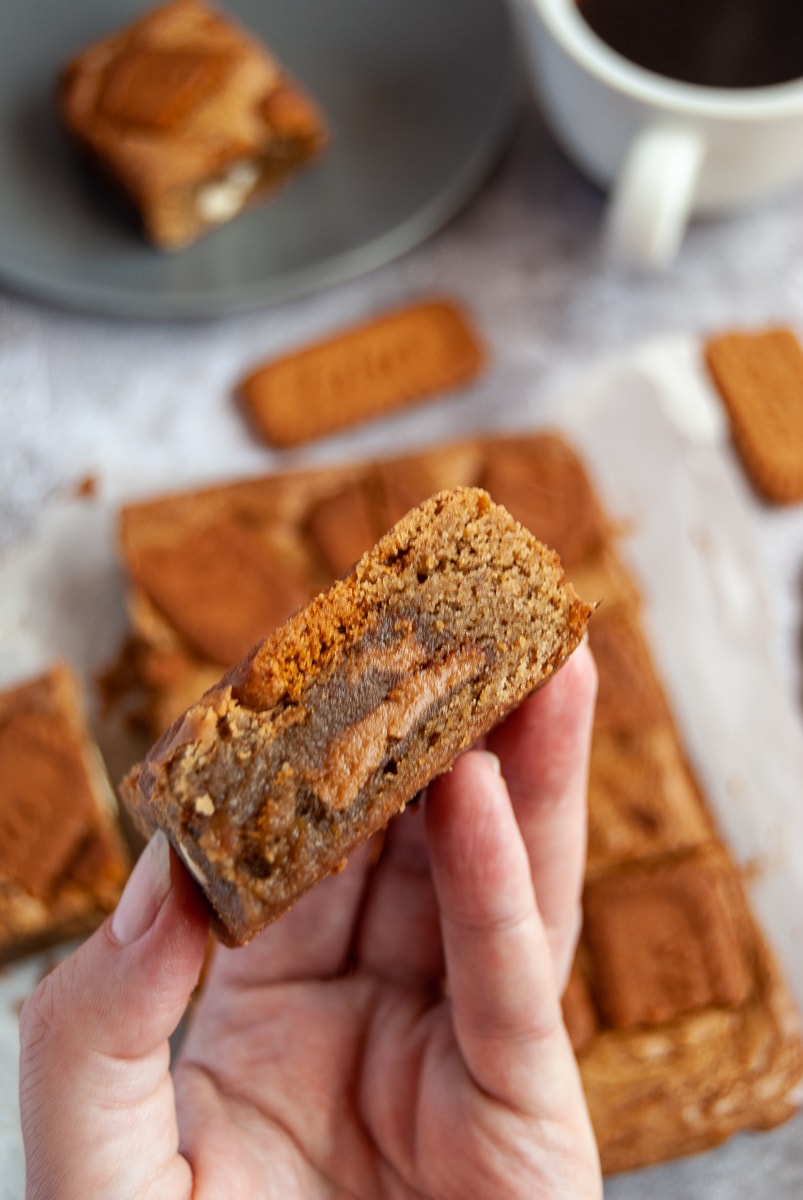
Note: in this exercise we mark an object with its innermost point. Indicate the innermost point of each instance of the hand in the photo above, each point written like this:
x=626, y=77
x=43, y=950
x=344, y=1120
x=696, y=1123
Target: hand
x=327, y=1058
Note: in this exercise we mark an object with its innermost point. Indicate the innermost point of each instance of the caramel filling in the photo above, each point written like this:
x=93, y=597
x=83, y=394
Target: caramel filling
x=324, y=751
x=361, y=749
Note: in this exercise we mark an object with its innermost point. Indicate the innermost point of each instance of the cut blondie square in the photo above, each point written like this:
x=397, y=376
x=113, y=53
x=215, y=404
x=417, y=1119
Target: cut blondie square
x=695, y=1033
x=191, y=117
x=62, y=858
x=339, y=718
x=630, y=695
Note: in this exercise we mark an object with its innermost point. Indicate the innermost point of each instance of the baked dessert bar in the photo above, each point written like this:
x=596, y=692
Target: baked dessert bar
x=210, y=573
x=548, y=488
x=340, y=717
x=191, y=117
x=62, y=859
x=541, y=480
x=385, y=363
x=759, y=377
x=685, y=1030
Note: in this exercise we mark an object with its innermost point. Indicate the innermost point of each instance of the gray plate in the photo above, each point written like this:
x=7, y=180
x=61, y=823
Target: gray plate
x=419, y=95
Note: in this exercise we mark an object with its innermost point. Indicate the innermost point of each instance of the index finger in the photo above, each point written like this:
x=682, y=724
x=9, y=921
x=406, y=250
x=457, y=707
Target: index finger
x=544, y=749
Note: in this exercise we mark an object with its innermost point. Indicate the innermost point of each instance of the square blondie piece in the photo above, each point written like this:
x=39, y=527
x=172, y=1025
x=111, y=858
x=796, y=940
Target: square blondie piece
x=339, y=718
x=549, y=491
x=62, y=859
x=696, y=1033
x=347, y=520
x=191, y=117
x=263, y=546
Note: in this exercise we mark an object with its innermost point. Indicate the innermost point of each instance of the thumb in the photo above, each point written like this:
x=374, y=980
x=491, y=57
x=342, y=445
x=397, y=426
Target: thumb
x=96, y=1094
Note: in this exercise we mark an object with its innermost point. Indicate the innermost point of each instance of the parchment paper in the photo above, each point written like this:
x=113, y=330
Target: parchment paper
x=700, y=546
x=654, y=434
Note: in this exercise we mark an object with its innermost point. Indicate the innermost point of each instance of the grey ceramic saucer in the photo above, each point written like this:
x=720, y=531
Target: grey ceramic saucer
x=419, y=95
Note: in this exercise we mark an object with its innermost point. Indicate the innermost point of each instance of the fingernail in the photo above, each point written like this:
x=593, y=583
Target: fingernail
x=493, y=761
x=144, y=893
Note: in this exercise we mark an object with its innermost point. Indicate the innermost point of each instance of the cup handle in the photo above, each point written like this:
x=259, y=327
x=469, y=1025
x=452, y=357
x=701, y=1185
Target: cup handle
x=649, y=207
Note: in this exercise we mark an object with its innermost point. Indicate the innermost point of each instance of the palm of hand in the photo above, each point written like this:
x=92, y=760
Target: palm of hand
x=347, y=1095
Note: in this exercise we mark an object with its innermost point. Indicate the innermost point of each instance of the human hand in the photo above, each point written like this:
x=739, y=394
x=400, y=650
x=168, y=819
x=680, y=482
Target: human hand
x=326, y=1059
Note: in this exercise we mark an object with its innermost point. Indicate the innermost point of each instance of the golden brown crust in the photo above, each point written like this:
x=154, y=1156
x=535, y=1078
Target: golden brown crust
x=385, y=363
x=192, y=117
x=760, y=379
x=340, y=717
x=345, y=521
x=62, y=860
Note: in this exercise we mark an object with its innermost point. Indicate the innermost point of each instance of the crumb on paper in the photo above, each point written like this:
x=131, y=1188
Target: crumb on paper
x=87, y=487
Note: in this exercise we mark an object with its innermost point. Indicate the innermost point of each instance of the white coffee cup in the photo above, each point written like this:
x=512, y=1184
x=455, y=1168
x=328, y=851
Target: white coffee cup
x=665, y=150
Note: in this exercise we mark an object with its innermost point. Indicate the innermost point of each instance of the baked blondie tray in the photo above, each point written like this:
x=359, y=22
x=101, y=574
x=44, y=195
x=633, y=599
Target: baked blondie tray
x=684, y=1028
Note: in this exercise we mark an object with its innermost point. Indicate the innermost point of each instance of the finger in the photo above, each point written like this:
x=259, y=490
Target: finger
x=544, y=750
x=313, y=939
x=505, y=1002
x=95, y=1087
x=399, y=936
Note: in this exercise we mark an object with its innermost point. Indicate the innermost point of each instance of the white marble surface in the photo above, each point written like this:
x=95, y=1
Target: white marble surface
x=133, y=402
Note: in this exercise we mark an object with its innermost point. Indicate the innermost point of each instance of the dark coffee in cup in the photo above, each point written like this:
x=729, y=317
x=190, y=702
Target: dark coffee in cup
x=715, y=43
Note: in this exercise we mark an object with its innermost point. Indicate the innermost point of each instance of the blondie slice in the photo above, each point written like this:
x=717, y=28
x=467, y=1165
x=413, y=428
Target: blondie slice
x=62, y=860
x=192, y=118
x=694, y=1034
x=340, y=717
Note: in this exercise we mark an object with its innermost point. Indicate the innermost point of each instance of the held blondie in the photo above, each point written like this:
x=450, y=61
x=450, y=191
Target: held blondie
x=332, y=724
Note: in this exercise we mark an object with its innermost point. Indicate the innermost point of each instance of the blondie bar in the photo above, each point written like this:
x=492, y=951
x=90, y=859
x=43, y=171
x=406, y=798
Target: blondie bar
x=191, y=117
x=62, y=859
x=339, y=718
